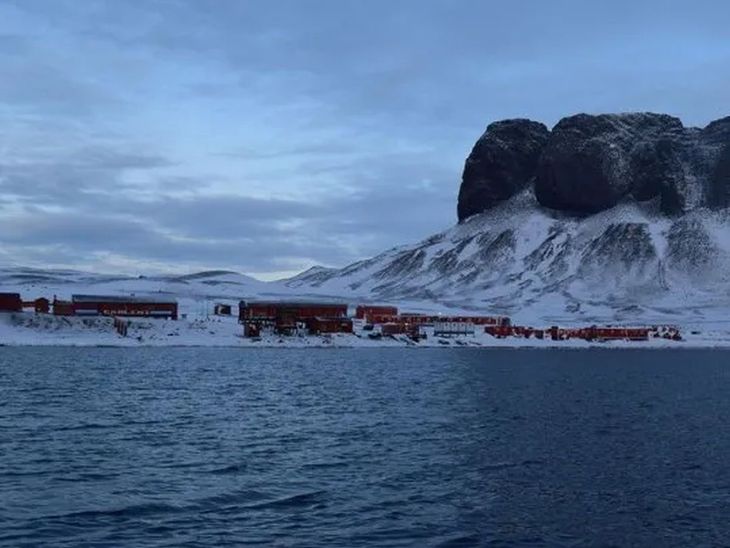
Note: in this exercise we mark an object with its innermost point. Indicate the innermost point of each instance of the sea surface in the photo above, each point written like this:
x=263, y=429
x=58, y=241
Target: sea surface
x=364, y=447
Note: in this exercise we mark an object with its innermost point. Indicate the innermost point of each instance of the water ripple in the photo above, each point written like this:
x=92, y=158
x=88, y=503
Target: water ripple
x=382, y=447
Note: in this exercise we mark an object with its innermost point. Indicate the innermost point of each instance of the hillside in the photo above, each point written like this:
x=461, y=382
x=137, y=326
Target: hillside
x=626, y=263
x=32, y=282
x=612, y=217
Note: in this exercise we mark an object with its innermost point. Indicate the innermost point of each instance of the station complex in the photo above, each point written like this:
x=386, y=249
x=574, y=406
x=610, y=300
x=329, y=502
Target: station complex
x=289, y=318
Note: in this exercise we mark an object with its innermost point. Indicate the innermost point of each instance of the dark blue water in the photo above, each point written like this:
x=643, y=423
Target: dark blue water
x=211, y=447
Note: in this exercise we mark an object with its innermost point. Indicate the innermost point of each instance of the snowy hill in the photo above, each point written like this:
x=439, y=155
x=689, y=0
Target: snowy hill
x=63, y=283
x=626, y=263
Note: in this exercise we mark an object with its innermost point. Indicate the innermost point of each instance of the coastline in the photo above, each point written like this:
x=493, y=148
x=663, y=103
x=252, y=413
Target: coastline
x=30, y=330
x=354, y=342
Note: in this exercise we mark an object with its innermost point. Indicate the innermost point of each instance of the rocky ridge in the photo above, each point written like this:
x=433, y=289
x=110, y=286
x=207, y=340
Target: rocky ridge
x=590, y=163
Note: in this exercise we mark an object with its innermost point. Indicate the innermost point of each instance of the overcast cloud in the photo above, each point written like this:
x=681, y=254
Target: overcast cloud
x=268, y=136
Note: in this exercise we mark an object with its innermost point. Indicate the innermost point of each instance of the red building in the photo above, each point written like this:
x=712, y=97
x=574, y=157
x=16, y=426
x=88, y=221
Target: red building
x=285, y=317
x=63, y=308
x=366, y=312
x=297, y=311
x=594, y=333
x=481, y=320
x=108, y=305
x=423, y=319
x=383, y=318
x=40, y=306
x=619, y=333
x=11, y=302
x=319, y=326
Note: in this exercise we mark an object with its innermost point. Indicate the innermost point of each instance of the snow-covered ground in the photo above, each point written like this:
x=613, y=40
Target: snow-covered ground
x=30, y=329
x=198, y=293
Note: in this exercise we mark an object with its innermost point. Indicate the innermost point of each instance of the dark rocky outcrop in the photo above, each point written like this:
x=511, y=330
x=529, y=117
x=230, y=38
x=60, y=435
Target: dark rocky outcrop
x=502, y=163
x=621, y=248
x=720, y=180
x=717, y=132
x=690, y=248
x=589, y=163
x=592, y=162
x=656, y=171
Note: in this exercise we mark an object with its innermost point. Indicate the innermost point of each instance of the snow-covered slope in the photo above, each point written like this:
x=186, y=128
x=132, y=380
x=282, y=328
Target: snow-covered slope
x=196, y=292
x=624, y=264
x=63, y=283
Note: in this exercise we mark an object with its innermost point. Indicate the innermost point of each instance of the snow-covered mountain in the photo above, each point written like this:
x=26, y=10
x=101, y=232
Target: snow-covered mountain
x=628, y=262
x=610, y=217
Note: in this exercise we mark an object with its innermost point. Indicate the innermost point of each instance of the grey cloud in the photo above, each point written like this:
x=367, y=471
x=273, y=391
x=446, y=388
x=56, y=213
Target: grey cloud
x=222, y=217
x=353, y=118
x=251, y=233
x=78, y=175
x=104, y=158
x=41, y=86
x=89, y=235
x=404, y=59
x=329, y=148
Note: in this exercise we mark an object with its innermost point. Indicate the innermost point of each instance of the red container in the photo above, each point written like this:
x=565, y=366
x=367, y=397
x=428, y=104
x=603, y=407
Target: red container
x=499, y=331
x=11, y=302
x=108, y=305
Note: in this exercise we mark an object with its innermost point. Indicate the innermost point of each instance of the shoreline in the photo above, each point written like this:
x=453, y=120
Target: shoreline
x=514, y=345
x=29, y=330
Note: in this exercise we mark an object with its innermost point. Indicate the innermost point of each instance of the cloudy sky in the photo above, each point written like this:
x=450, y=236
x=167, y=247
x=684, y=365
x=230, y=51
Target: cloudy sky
x=266, y=136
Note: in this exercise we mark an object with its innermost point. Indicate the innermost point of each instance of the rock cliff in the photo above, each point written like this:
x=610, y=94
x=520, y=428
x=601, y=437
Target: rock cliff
x=591, y=163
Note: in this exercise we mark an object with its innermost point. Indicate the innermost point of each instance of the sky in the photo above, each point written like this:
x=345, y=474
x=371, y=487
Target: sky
x=268, y=136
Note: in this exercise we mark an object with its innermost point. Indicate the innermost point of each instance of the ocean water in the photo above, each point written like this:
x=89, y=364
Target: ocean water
x=385, y=447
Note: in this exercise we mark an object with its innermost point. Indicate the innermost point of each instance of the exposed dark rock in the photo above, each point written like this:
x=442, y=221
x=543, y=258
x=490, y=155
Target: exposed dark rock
x=656, y=171
x=690, y=247
x=498, y=252
x=720, y=180
x=501, y=164
x=448, y=260
x=588, y=164
x=622, y=246
x=593, y=162
x=717, y=131
x=549, y=259
x=403, y=264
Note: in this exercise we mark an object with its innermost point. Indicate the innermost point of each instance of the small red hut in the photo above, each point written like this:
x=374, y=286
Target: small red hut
x=11, y=302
